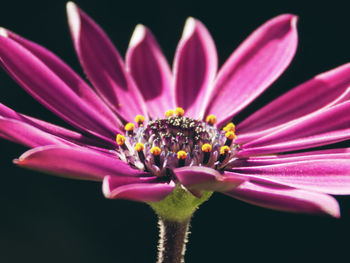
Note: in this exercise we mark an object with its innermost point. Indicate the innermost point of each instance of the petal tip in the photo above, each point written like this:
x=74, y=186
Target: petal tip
x=334, y=211
x=73, y=17
x=189, y=28
x=138, y=35
x=106, y=186
x=3, y=32
x=70, y=6
x=292, y=19
x=19, y=161
x=287, y=19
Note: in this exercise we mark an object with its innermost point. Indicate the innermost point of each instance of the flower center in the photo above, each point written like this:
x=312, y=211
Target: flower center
x=176, y=141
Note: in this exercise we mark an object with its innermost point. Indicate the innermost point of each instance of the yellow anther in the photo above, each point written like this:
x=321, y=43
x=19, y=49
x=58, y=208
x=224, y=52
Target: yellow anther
x=139, y=147
x=179, y=112
x=206, y=148
x=181, y=155
x=224, y=149
x=230, y=127
x=139, y=119
x=129, y=126
x=230, y=135
x=169, y=113
x=120, y=139
x=155, y=151
x=211, y=119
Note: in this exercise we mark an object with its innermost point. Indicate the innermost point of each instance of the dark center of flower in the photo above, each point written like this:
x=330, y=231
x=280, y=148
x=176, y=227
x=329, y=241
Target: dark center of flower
x=176, y=141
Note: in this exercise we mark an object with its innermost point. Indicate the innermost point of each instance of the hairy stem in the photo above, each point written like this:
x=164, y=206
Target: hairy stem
x=172, y=240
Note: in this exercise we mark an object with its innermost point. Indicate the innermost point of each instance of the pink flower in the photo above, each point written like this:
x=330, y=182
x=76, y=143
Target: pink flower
x=182, y=135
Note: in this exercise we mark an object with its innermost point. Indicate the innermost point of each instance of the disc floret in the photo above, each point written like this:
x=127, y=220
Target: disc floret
x=160, y=145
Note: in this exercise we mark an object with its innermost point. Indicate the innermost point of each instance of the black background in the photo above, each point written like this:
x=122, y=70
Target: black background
x=48, y=219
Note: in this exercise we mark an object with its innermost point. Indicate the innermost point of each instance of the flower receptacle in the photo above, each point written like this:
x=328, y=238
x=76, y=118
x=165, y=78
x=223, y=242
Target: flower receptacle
x=179, y=205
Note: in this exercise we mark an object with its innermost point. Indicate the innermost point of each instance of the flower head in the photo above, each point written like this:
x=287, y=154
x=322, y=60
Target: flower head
x=166, y=137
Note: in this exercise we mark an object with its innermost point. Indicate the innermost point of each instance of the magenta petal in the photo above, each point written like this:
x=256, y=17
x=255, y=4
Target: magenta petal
x=103, y=65
x=57, y=131
x=195, y=67
x=341, y=153
x=323, y=127
x=286, y=199
x=66, y=74
x=140, y=189
x=25, y=134
x=320, y=92
x=331, y=176
x=77, y=163
x=151, y=71
x=257, y=63
x=50, y=90
x=207, y=179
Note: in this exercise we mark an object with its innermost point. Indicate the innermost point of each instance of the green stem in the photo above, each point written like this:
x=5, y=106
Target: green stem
x=172, y=240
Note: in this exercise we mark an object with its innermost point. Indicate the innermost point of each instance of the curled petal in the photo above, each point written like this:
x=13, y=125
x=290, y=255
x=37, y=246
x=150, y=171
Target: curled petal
x=136, y=189
x=103, y=65
x=323, y=91
x=323, y=127
x=195, y=67
x=206, y=179
x=75, y=162
x=151, y=72
x=286, y=199
x=254, y=66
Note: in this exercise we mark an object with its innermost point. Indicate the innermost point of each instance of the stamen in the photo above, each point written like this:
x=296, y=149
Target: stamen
x=181, y=155
x=230, y=136
x=206, y=148
x=179, y=112
x=211, y=119
x=156, y=151
x=139, y=147
x=224, y=150
x=129, y=128
x=139, y=119
x=169, y=113
x=230, y=127
x=121, y=141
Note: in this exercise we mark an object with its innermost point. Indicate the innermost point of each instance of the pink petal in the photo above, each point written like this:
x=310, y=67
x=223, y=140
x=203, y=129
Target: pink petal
x=77, y=163
x=103, y=65
x=66, y=74
x=50, y=90
x=286, y=199
x=254, y=66
x=341, y=153
x=321, y=92
x=331, y=176
x=25, y=134
x=323, y=127
x=151, y=71
x=195, y=67
x=139, y=189
x=207, y=179
x=55, y=130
